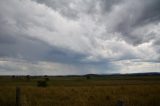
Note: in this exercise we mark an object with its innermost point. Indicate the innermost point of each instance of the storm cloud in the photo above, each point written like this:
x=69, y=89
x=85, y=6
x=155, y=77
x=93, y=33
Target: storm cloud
x=79, y=36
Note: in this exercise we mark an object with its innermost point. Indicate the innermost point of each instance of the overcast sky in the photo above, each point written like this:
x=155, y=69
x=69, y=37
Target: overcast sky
x=61, y=37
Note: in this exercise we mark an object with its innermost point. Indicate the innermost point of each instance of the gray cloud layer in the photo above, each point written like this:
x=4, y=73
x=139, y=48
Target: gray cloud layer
x=95, y=34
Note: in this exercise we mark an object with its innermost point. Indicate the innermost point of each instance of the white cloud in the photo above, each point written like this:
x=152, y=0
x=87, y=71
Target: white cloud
x=84, y=28
x=135, y=66
x=10, y=66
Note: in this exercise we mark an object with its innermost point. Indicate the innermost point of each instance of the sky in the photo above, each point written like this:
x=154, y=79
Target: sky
x=67, y=37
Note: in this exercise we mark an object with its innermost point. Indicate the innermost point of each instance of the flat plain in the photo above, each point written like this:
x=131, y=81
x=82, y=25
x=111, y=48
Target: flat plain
x=81, y=90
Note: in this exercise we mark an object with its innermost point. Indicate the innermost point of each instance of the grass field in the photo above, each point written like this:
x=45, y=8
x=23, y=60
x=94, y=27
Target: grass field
x=79, y=91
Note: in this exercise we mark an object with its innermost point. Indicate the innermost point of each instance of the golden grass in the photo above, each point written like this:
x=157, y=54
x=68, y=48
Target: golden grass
x=85, y=93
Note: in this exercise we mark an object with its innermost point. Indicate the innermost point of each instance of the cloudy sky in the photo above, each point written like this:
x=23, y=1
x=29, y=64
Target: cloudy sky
x=61, y=37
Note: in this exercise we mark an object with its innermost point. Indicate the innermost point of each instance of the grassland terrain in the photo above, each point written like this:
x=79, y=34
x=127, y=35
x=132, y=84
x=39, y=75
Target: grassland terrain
x=81, y=90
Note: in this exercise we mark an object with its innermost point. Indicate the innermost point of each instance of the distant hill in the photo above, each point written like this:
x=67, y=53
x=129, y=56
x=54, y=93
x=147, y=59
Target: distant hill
x=129, y=74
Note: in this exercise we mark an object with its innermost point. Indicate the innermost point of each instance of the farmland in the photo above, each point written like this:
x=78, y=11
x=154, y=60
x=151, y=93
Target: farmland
x=81, y=91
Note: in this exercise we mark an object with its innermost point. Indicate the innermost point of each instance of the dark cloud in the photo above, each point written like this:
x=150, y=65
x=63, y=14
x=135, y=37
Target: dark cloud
x=134, y=19
x=107, y=5
x=151, y=13
x=69, y=8
x=36, y=50
x=135, y=14
x=85, y=34
x=7, y=39
x=62, y=6
x=23, y=48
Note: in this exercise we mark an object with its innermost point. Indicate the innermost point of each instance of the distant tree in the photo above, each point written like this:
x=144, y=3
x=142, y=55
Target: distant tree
x=46, y=78
x=88, y=77
x=45, y=75
x=28, y=77
x=13, y=76
x=42, y=83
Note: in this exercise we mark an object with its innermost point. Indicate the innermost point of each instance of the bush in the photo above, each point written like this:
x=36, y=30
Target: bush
x=46, y=79
x=88, y=77
x=42, y=83
x=13, y=76
x=28, y=77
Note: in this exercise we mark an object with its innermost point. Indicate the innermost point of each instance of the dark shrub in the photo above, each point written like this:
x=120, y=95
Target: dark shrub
x=46, y=79
x=13, y=76
x=42, y=83
x=88, y=77
x=28, y=77
x=45, y=75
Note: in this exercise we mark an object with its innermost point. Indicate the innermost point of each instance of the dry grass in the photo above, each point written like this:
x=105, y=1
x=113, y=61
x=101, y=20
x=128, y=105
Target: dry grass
x=84, y=93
